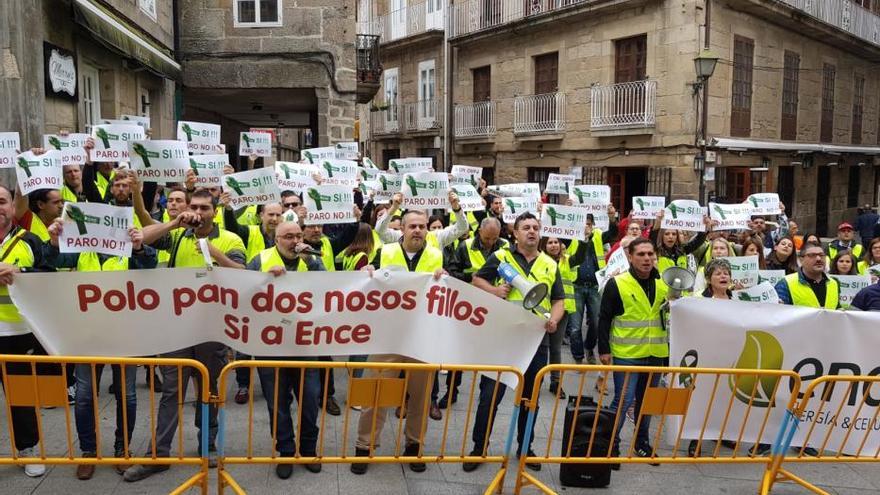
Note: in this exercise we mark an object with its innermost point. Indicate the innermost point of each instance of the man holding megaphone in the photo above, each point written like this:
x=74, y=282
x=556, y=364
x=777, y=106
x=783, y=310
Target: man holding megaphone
x=527, y=277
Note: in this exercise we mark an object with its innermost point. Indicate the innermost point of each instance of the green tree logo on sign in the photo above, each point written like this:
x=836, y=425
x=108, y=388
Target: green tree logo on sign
x=414, y=185
x=26, y=166
x=236, y=186
x=246, y=139
x=144, y=153
x=761, y=351
x=393, y=164
x=105, y=137
x=287, y=170
x=675, y=210
x=641, y=203
x=330, y=169
x=318, y=198
x=195, y=166
x=551, y=212
x=720, y=212
x=81, y=219
x=55, y=142
x=511, y=206
x=188, y=131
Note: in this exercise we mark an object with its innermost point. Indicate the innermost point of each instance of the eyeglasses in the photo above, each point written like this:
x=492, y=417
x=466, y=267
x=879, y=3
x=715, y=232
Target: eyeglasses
x=290, y=205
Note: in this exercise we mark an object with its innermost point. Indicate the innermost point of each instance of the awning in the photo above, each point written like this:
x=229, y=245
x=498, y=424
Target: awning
x=755, y=144
x=124, y=38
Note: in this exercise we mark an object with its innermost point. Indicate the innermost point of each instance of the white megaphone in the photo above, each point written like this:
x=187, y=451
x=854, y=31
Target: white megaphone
x=532, y=293
x=678, y=280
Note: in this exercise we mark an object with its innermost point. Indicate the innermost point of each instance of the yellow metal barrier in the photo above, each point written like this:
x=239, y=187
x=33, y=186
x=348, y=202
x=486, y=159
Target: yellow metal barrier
x=387, y=383
x=35, y=382
x=666, y=405
x=818, y=414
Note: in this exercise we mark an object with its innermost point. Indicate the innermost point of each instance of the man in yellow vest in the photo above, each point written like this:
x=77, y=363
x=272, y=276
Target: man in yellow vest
x=142, y=257
x=72, y=191
x=181, y=237
x=845, y=242
x=413, y=254
x=631, y=334
x=287, y=255
x=438, y=239
x=810, y=286
x=20, y=251
x=537, y=267
x=36, y=211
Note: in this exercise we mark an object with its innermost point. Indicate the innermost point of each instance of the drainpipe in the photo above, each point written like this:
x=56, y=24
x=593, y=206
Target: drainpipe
x=447, y=91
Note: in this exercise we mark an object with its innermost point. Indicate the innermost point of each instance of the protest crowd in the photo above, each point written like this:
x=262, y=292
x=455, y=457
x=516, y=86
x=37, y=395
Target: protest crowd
x=337, y=211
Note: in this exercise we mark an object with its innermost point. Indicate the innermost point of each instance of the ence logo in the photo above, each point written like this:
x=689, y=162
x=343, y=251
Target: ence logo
x=761, y=351
x=81, y=219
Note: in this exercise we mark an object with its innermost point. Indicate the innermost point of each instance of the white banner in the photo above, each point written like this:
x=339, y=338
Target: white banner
x=591, y=194
x=514, y=207
x=743, y=270
x=329, y=204
x=389, y=185
x=208, y=169
x=142, y=312
x=465, y=174
x=425, y=190
x=339, y=172
x=159, y=161
x=730, y=217
x=684, y=214
x=850, y=285
x=524, y=190
x=71, y=146
x=410, y=165
x=762, y=293
x=563, y=222
x=723, y=334
x=200, y=138
x=111, y=141
x=316, y=155
x=560, y=184
x=255, y=143
x=764, y=204
x=252, y=187
x=38, y=171
x=296, y=176
x=468, y=197
x=10, y=144
x=96, y=228
x=647, y=207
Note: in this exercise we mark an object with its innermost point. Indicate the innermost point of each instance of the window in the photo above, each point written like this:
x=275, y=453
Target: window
x=539, y=175
x=427, y=92
x=735, y=184
x=785, y=187
x=858, y=107
x=852, y=187
x=546, y=73
x=90, y=100
x=631, y=59
x=390, y=92
x=257, y=13
x=790, y=80
x=482, y=83
x=826, y=128
x=741, y=100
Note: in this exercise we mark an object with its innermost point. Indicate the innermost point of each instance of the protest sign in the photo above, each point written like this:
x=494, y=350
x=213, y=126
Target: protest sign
x=617, y=264
x=137, y=119
x=208, y=169
x=111, y=141
x=367, y=174
x=762, y=293
x=142, y=312
x=71, y=146
x=346, y=151
x=730, y=217
x=464, y=174
x=425, y=190
x=329, y=204
x=647, y=207
x=339, y=172
x=520, y=190
x=849, y=286
x=255, y=143
x=116, y=122
x=389, y=185
x=468, y=198
x=410, y=165
x=159, y=160
x=39, y=171
x=874, y=272
x=743, y=270
x=591, y=194
x=296, y=176
x=514, y=207
x=200, y=138
x=771, y=276
x=96, y=228
x=368, y=164
x=683, y=214
x=252, y=187
x=316, y=155
x=563, y=222
x=10, y=143
x=560, y=184
x=764, y=204
x=599, y=211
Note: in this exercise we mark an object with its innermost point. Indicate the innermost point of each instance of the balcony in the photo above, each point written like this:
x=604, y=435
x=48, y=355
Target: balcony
x=623, y=108
x=412, y=20
x=539, y=114
x=845, y=15
x=475, y=120
x=385, y=121
x=369, y=67
x=423, y=116
x=471, y=16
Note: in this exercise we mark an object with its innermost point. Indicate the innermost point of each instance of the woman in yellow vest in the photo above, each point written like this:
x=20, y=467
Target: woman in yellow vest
x=871, y=257
x=671, y=251
x=844, y=264
x=356, y=256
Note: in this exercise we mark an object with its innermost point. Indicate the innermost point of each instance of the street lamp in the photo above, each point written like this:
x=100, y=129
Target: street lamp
x=704, y=66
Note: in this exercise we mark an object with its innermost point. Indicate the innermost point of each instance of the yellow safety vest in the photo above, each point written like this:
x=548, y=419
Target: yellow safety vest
x=255, y=243
x=219, y=218
x=350, y=261
x=163, y=255
x=432, y=240
x=68, y=195
x=856, y=251
x=90, y=262
x=271, y=257
x=638, y=332
x=707, y=255
x=803, y=295
x=393, y=255
x=21, y=256
x=38, y=228
x=476, y=256
x=599, y=247
x=377, y=244
x=543, y=271
x=188, y=254
x=327, y=254
x=471, y=219
x=249, y=216
x=102, y=183
x=664, y=262
x=568, y=275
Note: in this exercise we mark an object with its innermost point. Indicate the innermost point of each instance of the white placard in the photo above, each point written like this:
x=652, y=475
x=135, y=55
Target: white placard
x=591, y=194
x=850, y=285
x=514, y=207
x=617, y=264
x=159, y=161
x=599, y=211
x=10, y=143
x=39, y=171
x=296, y=177
x=389, y=185
x=560, y=184
x=425, y=190
x=252, y=187
x=465, y=174
x=137, y=119
x=647, y=207
x=255, y=143
x=743, y=270
x=563, y=222
x=199, y=137
x=683, y=214
x=208, y=169
x=339, y=172
x=316, y=155
x=111, y=141
x=519, y=190
x=347, y=150
x=71, y=146
x=764, y=204
x=468, y=197
x=410, y=165
x=329, y=204
x=368, y=164
x=96, y=228
x=762, y=293
x=771, y=276
x=368, y=174
x=730, y=216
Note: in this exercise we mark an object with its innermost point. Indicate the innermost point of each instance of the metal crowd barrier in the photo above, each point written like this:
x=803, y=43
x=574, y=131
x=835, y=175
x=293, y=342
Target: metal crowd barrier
x=384, y=386
x=38, y=382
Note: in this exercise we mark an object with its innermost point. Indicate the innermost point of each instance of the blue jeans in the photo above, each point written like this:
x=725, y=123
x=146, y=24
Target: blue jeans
x=243, y=374
x=84, y=408
x=288, y=387
x=482, y=425
x=634, y=393
x=586, y=299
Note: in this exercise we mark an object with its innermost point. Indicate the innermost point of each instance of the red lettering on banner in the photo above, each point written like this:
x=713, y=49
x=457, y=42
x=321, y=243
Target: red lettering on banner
x=338, y=301
x=307, y=335
x=232, y=331
x=185, y=297
x=272, y=335
x=117, y=300
x=285, y=302
x=443, y=301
